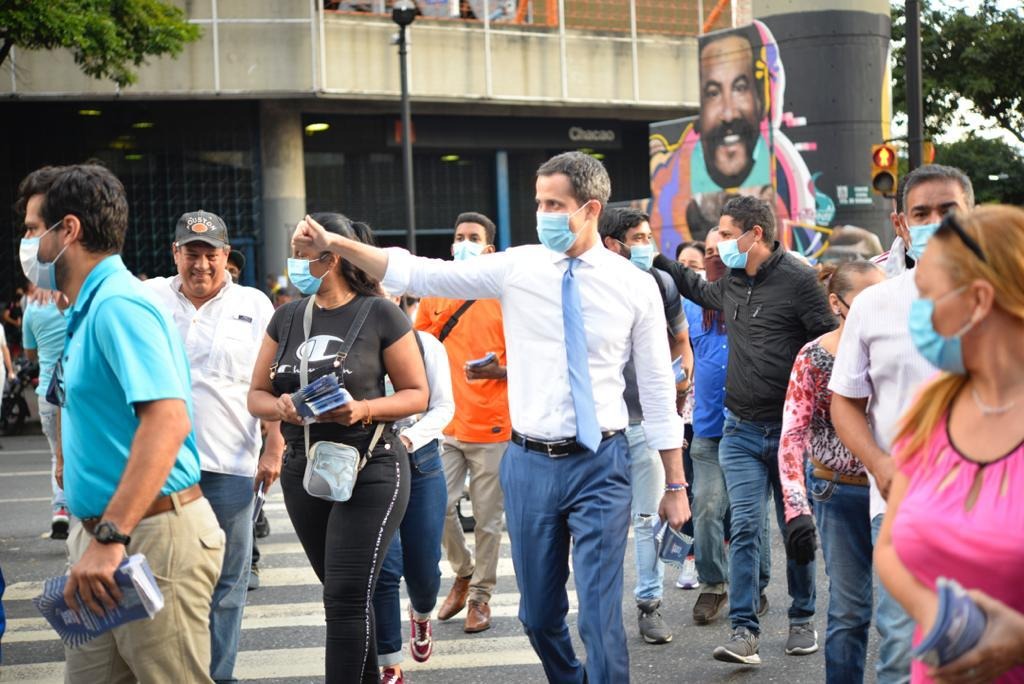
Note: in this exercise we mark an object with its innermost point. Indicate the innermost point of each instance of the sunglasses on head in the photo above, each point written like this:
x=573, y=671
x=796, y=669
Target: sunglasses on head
x=950, y=222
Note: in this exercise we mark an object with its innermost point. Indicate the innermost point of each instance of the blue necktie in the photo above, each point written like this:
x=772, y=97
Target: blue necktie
x=588, y=432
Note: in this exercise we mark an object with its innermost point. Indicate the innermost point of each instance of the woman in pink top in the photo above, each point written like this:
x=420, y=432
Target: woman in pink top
x=956, y=507
x=837, y=485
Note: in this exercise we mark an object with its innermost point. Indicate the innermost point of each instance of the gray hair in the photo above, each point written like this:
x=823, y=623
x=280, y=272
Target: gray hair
x=937, y=172
x=587, y=176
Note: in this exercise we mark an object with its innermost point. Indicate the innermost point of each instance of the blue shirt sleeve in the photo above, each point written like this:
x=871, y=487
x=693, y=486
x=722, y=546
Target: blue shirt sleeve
x=28, y=337
x=136, y=340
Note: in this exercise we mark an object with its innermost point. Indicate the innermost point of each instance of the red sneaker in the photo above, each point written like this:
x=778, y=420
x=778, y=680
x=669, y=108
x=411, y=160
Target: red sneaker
x=421, y=641
x=390, y=675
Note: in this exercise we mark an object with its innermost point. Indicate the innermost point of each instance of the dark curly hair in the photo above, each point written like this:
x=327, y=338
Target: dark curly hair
x=359, y=280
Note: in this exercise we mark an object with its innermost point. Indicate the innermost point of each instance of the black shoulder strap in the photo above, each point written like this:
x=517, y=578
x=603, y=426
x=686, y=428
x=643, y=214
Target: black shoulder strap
x=282, y=343
x=450, y=325
x=353, y=332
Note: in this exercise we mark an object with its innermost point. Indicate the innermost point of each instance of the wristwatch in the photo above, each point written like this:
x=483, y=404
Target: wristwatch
x=106, y=532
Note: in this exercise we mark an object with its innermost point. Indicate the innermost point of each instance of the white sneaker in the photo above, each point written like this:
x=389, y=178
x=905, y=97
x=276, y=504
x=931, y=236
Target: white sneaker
x=688, y=575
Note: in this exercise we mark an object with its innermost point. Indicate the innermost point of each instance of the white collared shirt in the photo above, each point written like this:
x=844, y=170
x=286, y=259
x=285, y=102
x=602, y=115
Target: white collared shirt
x=221, y=339
x=441, y=406
x=877, y=359
x=622, y=317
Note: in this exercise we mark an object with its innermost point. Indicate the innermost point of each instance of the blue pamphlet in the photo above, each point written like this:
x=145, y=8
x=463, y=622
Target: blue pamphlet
x=673, y=546
x=958, y=626
x=483, y=361
x=320, y=396
x=141, y=598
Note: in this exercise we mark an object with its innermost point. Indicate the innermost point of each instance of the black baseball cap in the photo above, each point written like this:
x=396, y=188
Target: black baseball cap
x=201, y=226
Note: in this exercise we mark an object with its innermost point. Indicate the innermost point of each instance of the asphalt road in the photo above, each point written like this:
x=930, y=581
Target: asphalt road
x=283, y=635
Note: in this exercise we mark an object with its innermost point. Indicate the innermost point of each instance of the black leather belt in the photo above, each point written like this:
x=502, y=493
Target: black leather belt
x=556, y=449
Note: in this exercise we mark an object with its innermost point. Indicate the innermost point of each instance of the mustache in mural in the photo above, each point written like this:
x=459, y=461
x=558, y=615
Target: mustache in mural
x=739, y=130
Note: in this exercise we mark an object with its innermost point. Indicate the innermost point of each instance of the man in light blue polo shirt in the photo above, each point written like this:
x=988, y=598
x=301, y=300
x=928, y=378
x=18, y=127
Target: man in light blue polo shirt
x=43, y=329
x=131, y=468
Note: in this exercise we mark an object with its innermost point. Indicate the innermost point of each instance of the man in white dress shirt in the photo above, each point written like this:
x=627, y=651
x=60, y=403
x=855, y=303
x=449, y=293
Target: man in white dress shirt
x=222, y=324
x=574, y=313
x=877, y=361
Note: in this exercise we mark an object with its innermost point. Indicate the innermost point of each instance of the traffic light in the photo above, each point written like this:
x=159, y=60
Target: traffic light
x=884, y=169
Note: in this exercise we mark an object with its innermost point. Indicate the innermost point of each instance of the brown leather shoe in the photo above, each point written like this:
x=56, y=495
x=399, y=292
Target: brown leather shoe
x=456, y=599
x=478, y=617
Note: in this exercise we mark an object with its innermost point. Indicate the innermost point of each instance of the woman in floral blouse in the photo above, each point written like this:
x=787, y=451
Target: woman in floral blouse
x=837, y=482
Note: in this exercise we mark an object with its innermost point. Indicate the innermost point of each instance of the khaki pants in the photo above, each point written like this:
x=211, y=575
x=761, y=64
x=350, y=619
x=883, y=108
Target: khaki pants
x=483, y=462
x=184, y=548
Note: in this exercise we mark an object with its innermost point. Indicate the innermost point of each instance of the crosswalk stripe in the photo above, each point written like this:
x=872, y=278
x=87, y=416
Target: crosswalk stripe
x=309, y=662
x=269, y=577
x=268, y=616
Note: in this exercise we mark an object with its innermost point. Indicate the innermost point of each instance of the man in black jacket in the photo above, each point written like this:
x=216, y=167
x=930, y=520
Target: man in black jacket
x=773, y=305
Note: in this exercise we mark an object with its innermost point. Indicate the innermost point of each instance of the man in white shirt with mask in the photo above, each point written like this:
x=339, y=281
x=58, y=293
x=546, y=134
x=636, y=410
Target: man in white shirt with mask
x=878, y=371
x=573, y=313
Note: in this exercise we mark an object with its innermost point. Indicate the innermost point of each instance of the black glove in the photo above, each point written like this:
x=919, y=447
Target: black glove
x=800, y=540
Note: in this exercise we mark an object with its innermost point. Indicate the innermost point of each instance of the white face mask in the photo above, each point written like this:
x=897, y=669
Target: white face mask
x=42, y=275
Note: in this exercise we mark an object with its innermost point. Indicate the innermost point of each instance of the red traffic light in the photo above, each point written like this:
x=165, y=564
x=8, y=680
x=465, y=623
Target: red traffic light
x=884, y=169
x=884, y=156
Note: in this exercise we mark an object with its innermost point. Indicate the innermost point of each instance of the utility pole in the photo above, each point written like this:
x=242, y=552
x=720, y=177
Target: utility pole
x=403, y=13
x=915, y=113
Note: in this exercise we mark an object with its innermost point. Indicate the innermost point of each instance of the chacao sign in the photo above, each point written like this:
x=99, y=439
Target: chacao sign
x=577, y=134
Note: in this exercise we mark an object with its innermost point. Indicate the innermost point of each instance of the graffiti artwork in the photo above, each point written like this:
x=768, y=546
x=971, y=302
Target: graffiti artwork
x=736, y=144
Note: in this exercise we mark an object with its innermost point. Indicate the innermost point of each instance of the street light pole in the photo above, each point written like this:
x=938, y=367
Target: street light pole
x=915, y=109
x=403, y=13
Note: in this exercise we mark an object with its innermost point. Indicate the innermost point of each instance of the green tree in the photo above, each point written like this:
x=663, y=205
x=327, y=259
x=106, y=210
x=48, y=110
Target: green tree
x=996, y=169
x=976, y=56
x=108, y=38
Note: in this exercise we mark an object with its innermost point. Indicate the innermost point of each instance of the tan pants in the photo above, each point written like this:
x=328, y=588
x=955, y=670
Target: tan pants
x=483, y=462
x=184, y=548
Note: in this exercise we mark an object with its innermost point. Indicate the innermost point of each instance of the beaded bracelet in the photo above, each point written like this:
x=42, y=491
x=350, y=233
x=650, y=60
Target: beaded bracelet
x=676, y=486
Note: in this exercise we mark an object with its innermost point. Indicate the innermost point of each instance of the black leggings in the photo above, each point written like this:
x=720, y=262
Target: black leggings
x=346, y=544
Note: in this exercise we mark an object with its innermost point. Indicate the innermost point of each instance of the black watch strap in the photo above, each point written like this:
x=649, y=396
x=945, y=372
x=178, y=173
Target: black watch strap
x=106, y=532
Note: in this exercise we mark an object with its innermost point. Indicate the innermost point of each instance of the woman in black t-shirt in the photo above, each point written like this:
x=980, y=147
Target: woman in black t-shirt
x=345, y=542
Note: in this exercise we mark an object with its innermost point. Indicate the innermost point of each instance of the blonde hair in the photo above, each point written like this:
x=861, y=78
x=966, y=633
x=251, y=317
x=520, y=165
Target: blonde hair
x=999, y=231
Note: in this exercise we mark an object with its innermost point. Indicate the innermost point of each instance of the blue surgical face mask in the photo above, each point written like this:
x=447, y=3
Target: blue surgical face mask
x=466, y=250
x=554, y=232
x=42, y=275
x=298, y=273
x=729, y=251
x=919, y=237
x=945, y=353
x=642, y=256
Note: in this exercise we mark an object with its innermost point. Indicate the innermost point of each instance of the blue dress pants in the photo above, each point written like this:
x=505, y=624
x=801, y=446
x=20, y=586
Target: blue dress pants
x=583, y=498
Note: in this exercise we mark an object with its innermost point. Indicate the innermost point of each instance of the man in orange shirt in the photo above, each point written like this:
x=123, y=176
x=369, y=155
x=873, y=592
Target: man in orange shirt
x=476, y=438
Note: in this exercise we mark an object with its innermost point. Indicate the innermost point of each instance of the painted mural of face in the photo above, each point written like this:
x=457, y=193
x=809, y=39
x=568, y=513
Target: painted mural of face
x=730, y=109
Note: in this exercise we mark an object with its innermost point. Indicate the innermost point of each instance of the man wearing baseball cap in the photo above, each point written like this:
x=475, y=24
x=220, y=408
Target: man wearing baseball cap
x=222, y=324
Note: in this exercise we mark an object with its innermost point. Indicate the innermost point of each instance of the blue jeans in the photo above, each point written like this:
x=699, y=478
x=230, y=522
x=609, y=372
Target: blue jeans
x=895, y=630
x=231, y=498
x=648, y=477
x=749, y=454
x=415, y=552
x=585, y=498
x=842, y=513
x=710, y=510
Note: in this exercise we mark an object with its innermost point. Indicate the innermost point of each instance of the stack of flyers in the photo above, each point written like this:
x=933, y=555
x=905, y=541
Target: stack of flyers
x=141, y=597
x=673, y=546
x=320, y=396
x=678, y=370
x=958, y=626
